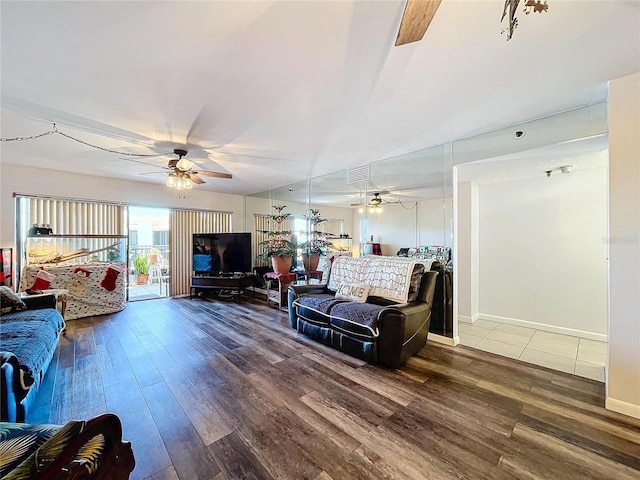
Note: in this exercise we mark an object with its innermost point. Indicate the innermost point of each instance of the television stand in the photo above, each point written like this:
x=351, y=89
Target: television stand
x=239, y=282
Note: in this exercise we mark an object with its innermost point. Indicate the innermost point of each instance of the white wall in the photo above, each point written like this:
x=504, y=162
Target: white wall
x=542, y=254
x=396, y=227
x=466, y=253
x=40, y=181
x=435, y=222
x=623, y=387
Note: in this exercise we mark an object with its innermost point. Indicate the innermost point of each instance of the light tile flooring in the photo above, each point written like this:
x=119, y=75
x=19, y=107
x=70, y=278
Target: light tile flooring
x=579, y=356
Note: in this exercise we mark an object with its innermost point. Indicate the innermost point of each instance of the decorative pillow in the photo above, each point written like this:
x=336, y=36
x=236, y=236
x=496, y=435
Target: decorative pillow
x=43, y=280
x=354, y=292
x=10, y=301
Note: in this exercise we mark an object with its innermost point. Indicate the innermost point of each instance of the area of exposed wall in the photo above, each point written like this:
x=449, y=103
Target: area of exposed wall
x=623, y=387
x=409, y=225
x=466, y=253
x=542, y=254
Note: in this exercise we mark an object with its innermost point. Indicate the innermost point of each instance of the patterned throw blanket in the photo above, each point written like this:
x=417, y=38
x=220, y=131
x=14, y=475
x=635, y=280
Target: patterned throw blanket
x=388, y=277
x=29, y=336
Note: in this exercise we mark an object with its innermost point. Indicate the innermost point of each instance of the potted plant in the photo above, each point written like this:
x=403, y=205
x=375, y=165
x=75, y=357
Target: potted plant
x=277, y=246
x=316, y=244
x=141, y=266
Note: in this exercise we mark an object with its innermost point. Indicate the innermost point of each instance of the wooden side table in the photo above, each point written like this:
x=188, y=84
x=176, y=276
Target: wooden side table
x=279, y=295
x=60, y=294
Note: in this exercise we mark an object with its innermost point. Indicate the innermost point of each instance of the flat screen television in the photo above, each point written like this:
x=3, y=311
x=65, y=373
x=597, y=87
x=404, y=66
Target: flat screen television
x=221, y=253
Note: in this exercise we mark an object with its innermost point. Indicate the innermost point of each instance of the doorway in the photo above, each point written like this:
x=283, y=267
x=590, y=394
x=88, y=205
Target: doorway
x=148, y=259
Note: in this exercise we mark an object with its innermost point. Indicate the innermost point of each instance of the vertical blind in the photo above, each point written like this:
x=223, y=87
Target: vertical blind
x=72, y=217
x=182, y=225
x=332, y=227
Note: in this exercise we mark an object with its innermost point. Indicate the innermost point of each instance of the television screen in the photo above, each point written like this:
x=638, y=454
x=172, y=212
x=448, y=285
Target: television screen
x=215, y=253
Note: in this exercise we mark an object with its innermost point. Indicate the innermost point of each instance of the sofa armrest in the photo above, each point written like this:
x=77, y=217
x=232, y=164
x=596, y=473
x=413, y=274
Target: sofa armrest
x=74, y=460
x=40, y=301
x=9, y=388
x=293, y=292
x=403, y=331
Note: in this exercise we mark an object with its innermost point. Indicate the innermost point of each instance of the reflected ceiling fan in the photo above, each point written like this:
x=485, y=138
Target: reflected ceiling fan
x=416, y=19
x=180, y=172
x=375, y=201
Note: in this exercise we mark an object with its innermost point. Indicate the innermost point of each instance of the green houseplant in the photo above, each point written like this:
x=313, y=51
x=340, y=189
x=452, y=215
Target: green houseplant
x=277, y=245
x=316, y=244
x=141, y=266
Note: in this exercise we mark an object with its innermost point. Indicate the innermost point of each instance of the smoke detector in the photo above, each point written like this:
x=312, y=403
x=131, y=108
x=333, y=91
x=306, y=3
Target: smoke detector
x=566, y=168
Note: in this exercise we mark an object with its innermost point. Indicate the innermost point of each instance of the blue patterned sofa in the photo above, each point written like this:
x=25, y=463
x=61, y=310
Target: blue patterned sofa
x=29, y=333
x=374, y=308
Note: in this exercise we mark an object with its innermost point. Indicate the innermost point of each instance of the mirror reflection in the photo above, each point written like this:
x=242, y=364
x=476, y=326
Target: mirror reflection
x=404, y=205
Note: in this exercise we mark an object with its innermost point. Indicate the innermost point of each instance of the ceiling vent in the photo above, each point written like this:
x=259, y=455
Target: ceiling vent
x=358, y=174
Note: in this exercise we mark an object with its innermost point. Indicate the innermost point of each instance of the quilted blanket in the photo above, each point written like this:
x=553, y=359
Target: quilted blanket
x=31, y=335
x=94, y=288
x=388, y=277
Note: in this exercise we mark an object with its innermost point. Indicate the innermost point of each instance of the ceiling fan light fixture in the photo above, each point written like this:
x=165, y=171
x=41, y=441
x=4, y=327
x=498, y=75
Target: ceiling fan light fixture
x=171, y=180
x=184, y=164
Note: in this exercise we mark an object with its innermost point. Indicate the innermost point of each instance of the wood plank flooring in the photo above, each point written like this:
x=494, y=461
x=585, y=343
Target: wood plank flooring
x=216, y=390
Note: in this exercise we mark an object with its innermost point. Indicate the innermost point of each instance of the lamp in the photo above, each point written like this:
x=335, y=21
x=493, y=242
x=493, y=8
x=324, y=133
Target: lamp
x=171, y=180
x=179, y=181
x=184, y=164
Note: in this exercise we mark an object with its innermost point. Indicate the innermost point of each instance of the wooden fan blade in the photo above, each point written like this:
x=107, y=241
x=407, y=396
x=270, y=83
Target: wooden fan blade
x=195, y=178
x=215, y=174
x=416, y=19
x=153, y=173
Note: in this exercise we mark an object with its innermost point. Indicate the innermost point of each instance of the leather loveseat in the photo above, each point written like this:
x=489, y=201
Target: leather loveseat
x=381, y=330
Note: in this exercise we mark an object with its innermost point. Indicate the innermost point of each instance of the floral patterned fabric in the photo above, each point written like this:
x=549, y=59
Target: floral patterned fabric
x=28, y=450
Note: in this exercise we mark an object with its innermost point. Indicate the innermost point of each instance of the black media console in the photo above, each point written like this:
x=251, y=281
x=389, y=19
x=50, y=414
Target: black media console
x=235, y=282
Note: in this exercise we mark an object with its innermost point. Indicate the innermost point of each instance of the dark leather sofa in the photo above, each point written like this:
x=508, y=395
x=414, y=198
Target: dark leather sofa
x=378, y=331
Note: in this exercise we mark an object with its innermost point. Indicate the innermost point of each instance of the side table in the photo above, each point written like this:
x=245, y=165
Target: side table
x=60, y=294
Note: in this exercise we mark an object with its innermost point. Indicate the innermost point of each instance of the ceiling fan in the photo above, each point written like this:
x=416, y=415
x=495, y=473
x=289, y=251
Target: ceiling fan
x=375, y=201
x=181, y=173
x=416, y=19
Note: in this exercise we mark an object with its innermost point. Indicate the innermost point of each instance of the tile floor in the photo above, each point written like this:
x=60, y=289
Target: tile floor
x=579, y=356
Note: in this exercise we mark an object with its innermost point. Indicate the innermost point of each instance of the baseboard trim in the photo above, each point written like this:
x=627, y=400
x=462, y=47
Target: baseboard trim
x=624, y=408
x=466, y=319
x=601, y=337
x=434, y=337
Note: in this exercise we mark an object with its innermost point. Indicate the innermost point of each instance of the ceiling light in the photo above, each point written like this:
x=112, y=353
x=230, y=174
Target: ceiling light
x=184, y=164
x=171, y=180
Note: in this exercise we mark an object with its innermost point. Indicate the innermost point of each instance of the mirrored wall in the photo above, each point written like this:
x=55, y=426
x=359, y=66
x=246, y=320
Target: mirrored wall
x=405, y=205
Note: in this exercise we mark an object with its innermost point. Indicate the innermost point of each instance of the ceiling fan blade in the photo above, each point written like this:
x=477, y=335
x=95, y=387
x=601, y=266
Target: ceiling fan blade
x=416, y=19
x=214, y=174
x=153, y=173
x=195, y=178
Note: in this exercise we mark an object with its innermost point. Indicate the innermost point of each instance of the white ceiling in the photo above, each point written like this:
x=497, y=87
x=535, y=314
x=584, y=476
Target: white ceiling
x=274, y=92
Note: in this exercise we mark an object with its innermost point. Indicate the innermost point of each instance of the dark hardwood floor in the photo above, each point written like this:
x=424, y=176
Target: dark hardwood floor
x=216, y=390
